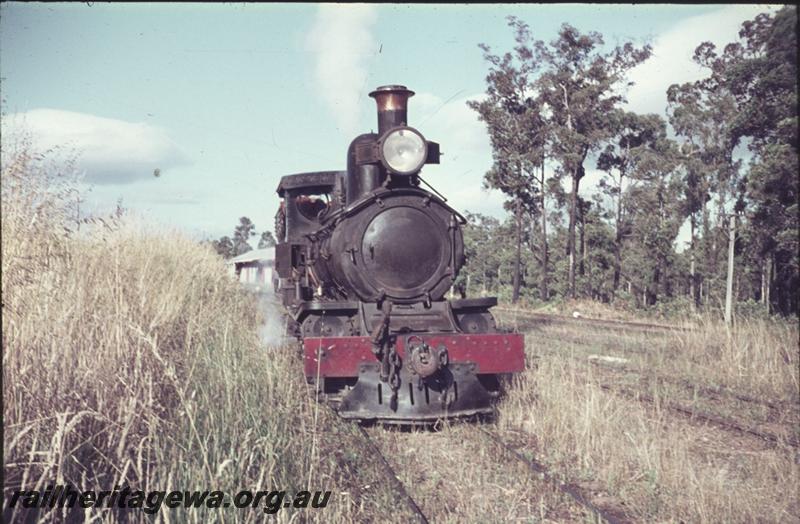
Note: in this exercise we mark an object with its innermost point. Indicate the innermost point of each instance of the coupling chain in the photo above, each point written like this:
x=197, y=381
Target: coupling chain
x=384, y=350
x=394, y=376
x=380, y=333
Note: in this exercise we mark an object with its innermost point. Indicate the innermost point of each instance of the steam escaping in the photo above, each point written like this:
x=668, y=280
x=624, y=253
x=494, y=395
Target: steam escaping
x=273, y=331
x=341, y=40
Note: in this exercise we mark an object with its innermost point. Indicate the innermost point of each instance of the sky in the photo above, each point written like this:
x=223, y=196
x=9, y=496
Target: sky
x=224, y=99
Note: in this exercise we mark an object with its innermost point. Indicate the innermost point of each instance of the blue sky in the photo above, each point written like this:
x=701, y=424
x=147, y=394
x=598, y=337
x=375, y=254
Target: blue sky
x=224, y=99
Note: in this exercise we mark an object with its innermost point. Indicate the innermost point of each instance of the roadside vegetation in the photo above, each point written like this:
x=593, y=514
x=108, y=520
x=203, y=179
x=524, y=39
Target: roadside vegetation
x=130, y=358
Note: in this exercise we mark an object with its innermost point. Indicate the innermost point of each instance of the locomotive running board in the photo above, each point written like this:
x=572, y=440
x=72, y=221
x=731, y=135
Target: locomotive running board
x=457, y=393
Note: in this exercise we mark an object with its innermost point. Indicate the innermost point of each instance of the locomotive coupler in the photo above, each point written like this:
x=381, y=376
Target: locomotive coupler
x=423, y=359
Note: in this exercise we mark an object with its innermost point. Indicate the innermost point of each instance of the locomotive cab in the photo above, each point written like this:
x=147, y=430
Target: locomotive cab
x=365, y=258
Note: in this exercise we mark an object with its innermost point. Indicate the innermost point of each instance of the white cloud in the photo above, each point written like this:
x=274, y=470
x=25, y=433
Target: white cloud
x=342, y=42
x=671, y=61
x=109, y=151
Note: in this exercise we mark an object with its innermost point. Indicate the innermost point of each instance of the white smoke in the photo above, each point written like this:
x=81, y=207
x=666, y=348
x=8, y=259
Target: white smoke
x=341, y=40
x=273, y=331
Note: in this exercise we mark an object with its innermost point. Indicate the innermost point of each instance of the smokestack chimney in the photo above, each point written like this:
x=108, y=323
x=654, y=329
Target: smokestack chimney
x=392, y=106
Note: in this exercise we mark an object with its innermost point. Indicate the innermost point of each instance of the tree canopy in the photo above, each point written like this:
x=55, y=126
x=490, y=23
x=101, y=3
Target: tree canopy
x=729, y=147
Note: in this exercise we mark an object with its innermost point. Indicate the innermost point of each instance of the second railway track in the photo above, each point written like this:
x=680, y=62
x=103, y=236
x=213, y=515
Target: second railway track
x=543, y=318
x=723, y=422
x=571, y=490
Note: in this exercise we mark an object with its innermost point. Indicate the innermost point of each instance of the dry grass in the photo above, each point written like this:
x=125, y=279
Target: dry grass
x=130, y=358
x=645, y=459
x=457, y=474
x=758, y=358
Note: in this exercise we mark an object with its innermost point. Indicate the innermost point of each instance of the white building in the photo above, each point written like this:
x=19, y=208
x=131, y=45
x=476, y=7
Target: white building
x=254, y=268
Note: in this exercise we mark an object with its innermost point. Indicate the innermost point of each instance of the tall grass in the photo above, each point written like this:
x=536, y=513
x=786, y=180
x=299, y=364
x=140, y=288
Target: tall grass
x=652, y=463
x=131, y=359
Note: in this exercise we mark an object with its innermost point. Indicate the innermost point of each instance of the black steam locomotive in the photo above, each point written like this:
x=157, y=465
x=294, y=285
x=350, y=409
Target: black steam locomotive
x=364, y=260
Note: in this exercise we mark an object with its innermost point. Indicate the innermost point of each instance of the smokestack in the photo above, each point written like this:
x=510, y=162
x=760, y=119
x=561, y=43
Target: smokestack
x=392, y=106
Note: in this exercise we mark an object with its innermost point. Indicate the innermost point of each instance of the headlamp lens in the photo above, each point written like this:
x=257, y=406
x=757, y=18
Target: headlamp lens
x=404, y=151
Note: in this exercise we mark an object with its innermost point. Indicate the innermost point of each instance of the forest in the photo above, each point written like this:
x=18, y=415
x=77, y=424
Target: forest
x=724, y=154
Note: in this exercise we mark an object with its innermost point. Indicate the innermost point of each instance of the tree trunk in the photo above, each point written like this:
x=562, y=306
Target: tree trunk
x=573, y=204
x=651, y=292
x=705, y=275
x=618, y=238
x=618, y=223
x=770, y=276
x=518, y=254
x=585, y=268
x=693, y=287
x=543, y=291
x=582, y=263
x=729, y=279
x=577, y=174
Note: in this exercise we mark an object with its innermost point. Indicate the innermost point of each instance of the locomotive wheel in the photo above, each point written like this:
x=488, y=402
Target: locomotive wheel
x=325, y=326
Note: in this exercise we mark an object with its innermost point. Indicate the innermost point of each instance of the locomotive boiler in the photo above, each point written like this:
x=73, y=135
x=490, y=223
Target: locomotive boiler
x=365, y=258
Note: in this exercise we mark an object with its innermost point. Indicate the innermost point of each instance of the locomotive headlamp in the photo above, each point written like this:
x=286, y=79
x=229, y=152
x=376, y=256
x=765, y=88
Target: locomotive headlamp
x=403, y=150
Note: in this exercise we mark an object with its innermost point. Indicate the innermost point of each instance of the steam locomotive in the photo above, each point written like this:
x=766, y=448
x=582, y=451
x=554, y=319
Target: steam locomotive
x=364, y=260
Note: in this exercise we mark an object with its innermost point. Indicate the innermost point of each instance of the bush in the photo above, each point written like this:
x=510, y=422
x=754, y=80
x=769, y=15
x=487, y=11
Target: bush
x=751, y=310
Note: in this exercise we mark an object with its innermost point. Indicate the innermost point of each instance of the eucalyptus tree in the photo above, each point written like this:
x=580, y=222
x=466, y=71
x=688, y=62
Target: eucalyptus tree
x=266, y=240
x=483, y=247
x=702, y=113
x=581, y=85
x=517, y=131
x=656, y=208
x=241, y=235
x=760, y=71
x=635, y=139
x=223, y=247
x=750, y=96
x=555, y=96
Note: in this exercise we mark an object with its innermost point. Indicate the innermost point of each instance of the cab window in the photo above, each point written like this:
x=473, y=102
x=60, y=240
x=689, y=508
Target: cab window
x=310, y=206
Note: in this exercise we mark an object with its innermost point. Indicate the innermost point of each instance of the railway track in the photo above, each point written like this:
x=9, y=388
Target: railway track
x=391, y=474
x=714, y=393
x=543, y=318
x=541, y=471
x=536, y=471
x=715, y=420
x=722, y=422
x=706, y=391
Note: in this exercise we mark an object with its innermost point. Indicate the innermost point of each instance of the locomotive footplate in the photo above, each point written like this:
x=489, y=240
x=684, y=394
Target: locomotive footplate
x=439, y=375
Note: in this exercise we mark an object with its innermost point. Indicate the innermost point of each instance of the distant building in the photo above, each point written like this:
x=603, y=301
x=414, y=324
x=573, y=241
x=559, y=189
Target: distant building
x=254, y=268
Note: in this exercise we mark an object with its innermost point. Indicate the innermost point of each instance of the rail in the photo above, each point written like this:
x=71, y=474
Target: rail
x=571, y=490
